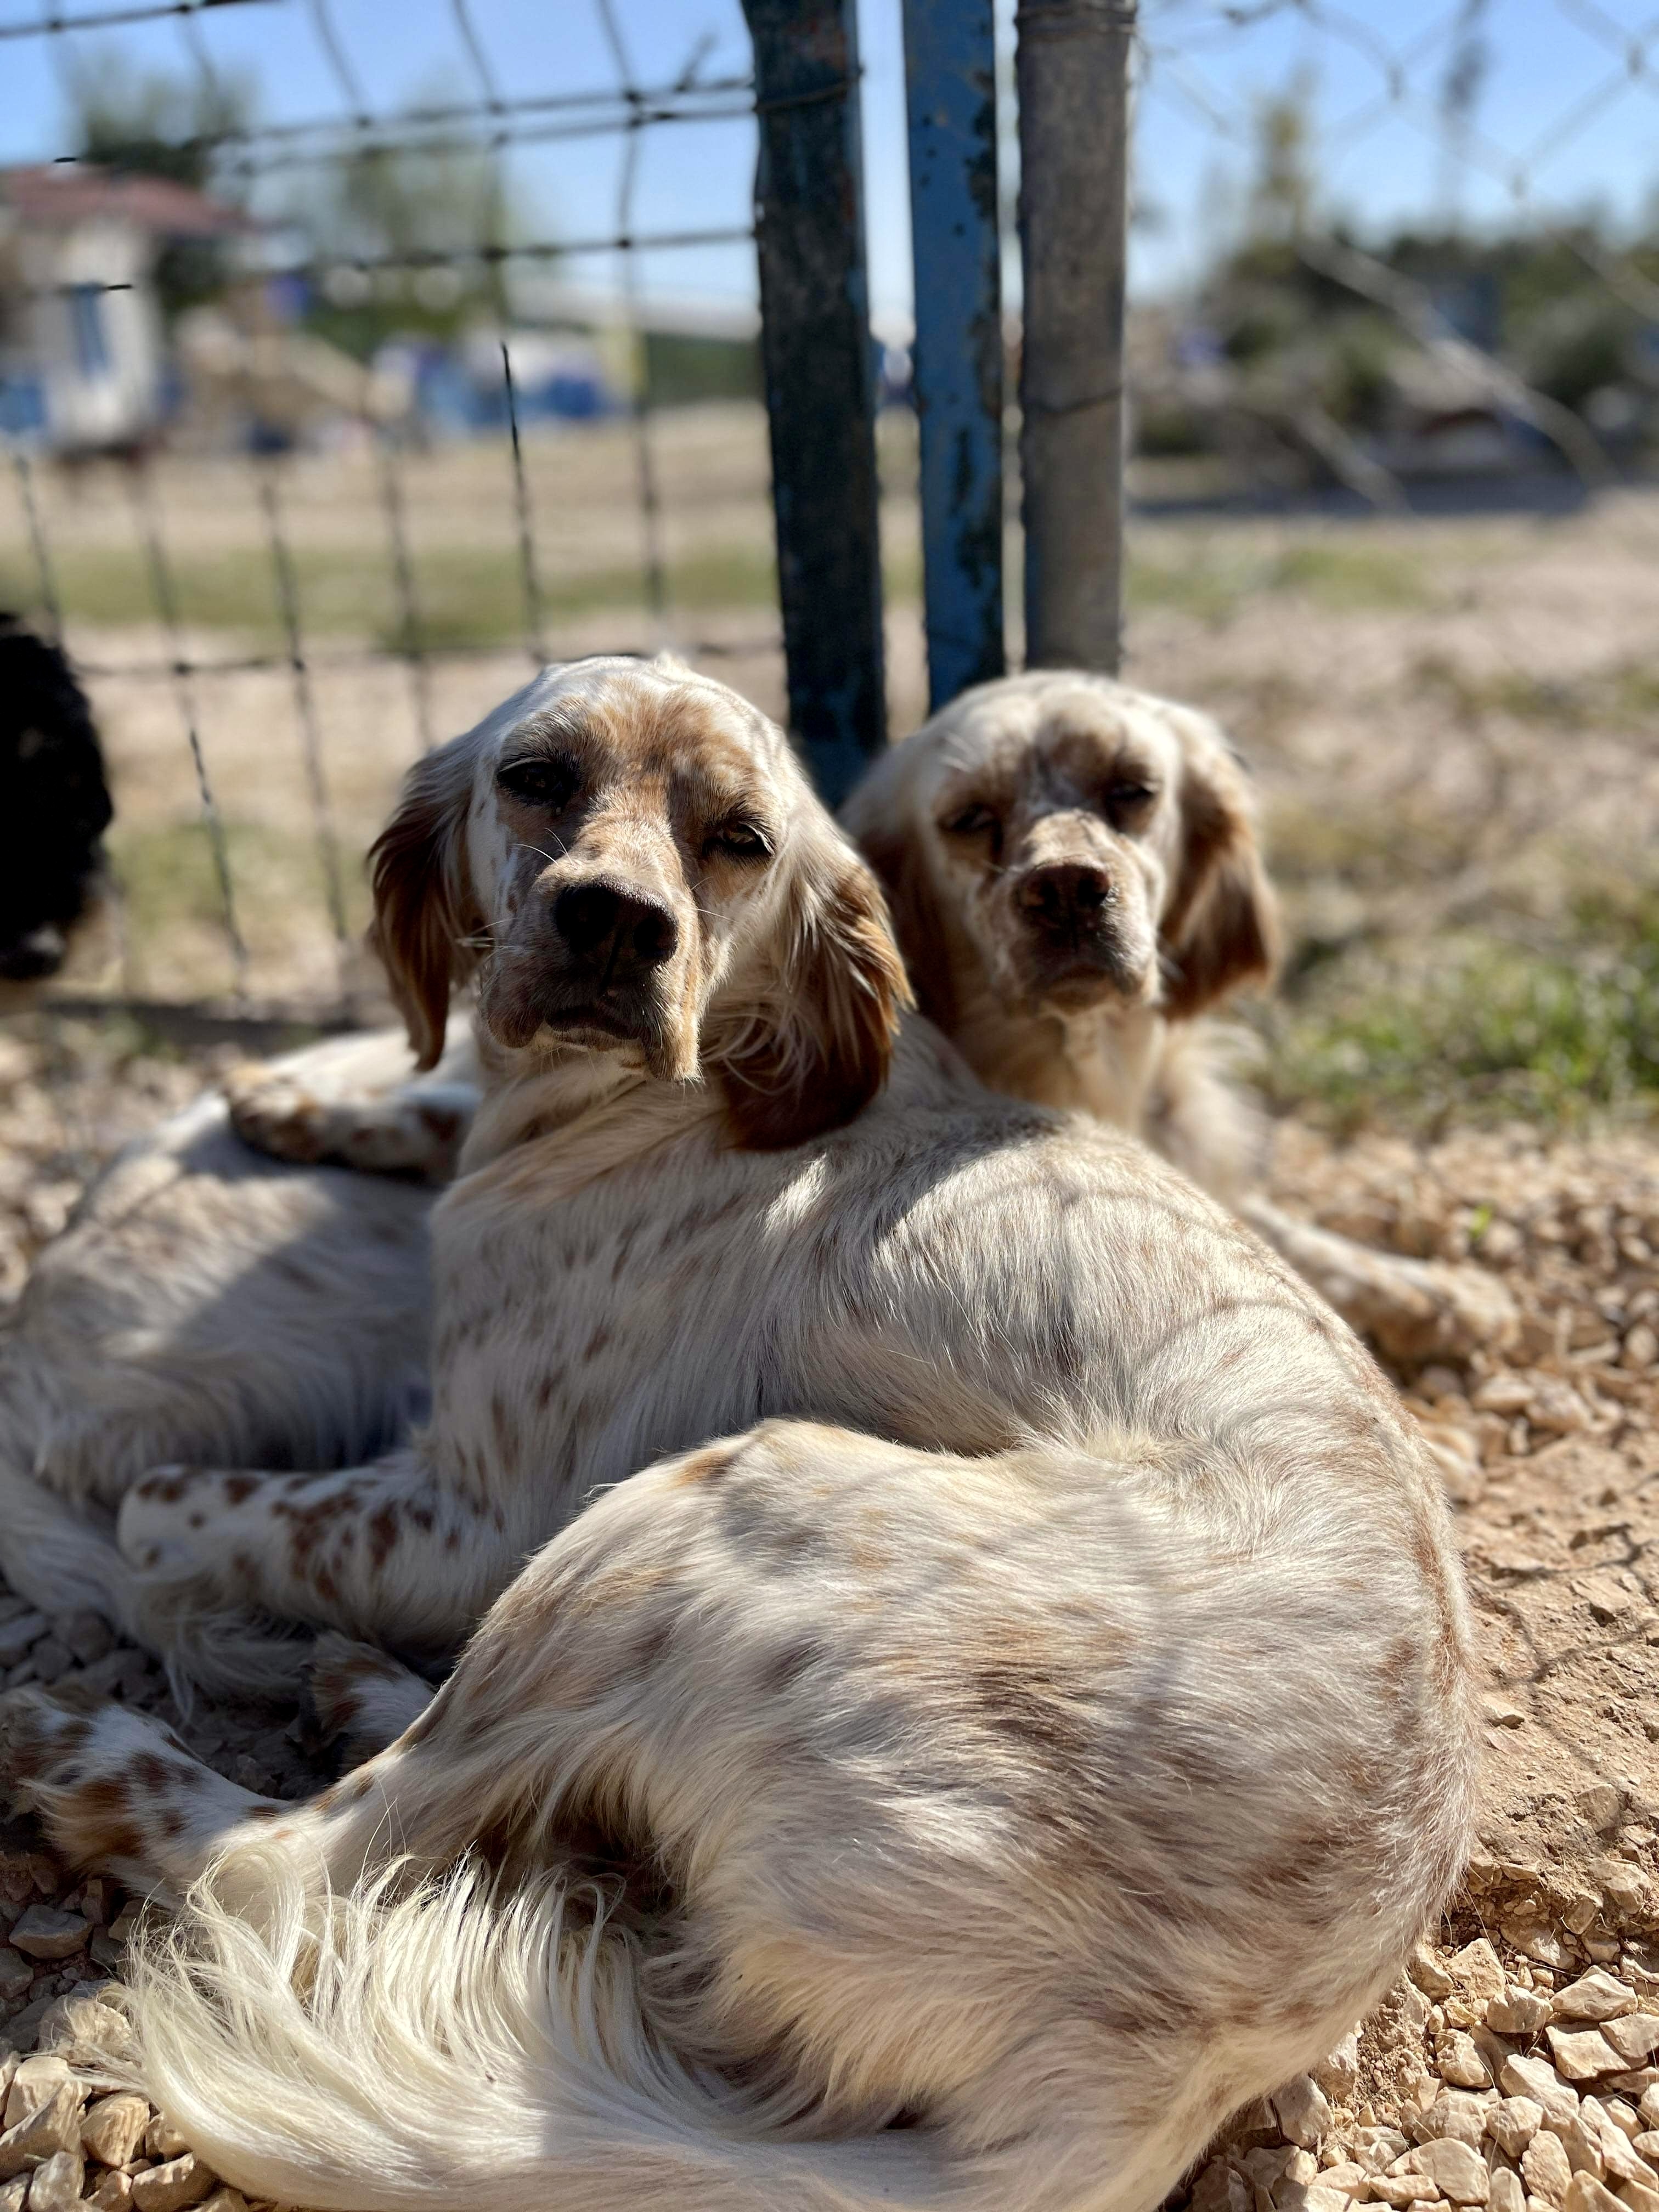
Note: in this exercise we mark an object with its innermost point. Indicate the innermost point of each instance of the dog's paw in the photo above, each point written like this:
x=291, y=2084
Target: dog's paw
x=417, y=1130
x=164, y=1517
x=362, y=1695
x=278, y=1114
x=115, y=1789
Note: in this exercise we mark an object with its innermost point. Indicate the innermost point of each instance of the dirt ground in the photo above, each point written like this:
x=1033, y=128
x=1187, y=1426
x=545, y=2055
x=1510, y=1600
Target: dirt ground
x=1454, y=727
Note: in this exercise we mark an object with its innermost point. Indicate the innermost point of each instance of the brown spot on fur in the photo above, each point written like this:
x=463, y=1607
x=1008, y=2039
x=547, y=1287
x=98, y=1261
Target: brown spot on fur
x=238, y=1488
x=383, y=1533
x=705, y=1466
x=782, y=1668
x=149, y=1772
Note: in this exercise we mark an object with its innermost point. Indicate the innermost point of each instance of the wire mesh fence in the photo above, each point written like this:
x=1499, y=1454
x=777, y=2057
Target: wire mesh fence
x=1383, y=265
x=270, y=562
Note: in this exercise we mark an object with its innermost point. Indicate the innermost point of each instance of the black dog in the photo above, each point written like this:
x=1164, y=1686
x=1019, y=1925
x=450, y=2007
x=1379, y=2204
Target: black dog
x=54, y=805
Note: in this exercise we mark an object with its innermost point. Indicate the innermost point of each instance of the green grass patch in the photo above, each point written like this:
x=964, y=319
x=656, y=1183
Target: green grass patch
x=1214, y=578
x=1478, y=1028
x=173, y=901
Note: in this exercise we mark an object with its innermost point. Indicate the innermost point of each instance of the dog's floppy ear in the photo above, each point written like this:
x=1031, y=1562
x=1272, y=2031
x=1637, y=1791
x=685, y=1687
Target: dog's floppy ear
x=895, y=851
x=1221, y=925
x=424, y=907
x=816, y=1049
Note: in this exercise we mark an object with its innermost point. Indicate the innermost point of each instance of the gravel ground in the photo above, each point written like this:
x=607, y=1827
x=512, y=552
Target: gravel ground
x=1513, y=2068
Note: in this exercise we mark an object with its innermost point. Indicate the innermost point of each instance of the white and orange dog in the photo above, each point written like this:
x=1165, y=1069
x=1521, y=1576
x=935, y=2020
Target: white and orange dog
x=1047, y=1729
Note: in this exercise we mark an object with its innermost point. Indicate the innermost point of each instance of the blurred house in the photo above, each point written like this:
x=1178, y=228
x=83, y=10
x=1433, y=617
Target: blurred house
x=83, y=364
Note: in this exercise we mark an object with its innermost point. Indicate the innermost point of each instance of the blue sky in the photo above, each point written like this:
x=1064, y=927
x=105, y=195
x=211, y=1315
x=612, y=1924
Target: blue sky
x=1560, y=110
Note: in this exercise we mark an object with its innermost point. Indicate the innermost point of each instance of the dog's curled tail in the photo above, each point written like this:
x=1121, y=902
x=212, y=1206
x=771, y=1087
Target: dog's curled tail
x=450, y=2047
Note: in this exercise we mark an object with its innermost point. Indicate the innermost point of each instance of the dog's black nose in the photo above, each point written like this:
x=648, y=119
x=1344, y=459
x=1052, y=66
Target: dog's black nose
x=618, y=931
x=1065, y=896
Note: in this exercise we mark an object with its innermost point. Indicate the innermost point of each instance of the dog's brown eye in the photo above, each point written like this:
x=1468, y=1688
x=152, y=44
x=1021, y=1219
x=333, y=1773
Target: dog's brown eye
x=535, y=781
x=972, y=821
x=1125, y=802
x=737, y=841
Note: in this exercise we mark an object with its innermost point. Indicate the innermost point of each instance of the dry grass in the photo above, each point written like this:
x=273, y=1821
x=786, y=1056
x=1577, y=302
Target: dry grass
x=1454, y=725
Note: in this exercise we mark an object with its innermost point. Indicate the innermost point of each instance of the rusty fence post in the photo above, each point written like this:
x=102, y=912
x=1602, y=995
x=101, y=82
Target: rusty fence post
x=1074, y=77
x=820, y=380
x=949, y=70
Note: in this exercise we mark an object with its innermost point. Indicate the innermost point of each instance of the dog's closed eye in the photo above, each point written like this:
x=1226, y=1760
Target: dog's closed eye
x=976, y=820
x=737, y=839
x=1127, y=804
x=539, y=780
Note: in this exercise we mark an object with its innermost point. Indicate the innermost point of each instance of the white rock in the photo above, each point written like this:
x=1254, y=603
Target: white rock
x=1457, y=2061
x=1302, y=2110
x=1319, y=2197
x=56, y=2183
x=1596, y=1995
x=1338, y=2073
x=1586, y=2194
x=1582, y=2054
x=1545, y=2169
x=1507, y=2194
x=1429, y=1976
x=1476, y=1971
x=1648, y=2110
x=1402, y=2189
x=1520, y=2012
x=1376, y=2147
x=1635, y=2038
x=34, y=2080
x=170, y=2188
x=1581, y=2139
x=1347, y=2175
x=1458, y=2173
x=1538, y=1941
x=162, y=2139
x=1637, y=2197
x=53, y=2126
x=1456, y=2113
x=1514, y=2123
x=113, y=2129
x=1536, y=2078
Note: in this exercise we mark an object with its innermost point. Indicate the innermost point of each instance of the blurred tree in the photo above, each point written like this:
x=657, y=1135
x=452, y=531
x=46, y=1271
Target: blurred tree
x=1282, y=190
x=408, y=236
x=153, y=123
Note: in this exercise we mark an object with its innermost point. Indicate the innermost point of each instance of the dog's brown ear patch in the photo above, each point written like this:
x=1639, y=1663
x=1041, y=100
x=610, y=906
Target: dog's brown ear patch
x=896, y=853
x=1222, y=926
x=818, y=1052
x=423, y=903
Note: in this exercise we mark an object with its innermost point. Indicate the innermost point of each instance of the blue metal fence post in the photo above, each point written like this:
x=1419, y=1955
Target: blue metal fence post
x=949, y=70
x=820, y=380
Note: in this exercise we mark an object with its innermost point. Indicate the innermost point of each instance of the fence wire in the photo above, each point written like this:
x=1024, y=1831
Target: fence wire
x=205, y=671
x=1476, y=147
